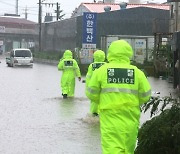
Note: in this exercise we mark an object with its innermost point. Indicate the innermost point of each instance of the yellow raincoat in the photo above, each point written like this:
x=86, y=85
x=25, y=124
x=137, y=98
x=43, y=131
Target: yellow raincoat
x=70, y=70
x=99, y=57
x=119, y=88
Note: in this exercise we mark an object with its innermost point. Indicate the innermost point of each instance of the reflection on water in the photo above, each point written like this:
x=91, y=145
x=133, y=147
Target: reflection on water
x=163, y=86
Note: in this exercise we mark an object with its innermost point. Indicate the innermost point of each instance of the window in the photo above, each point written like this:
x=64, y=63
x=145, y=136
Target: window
x=22, y=53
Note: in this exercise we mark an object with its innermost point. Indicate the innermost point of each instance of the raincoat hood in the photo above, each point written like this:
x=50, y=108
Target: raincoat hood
x=67, y=54
x=99, y=56
x=120, y=50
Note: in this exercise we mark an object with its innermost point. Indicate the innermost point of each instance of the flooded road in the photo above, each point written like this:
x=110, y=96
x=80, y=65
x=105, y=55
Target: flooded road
x=36, y=120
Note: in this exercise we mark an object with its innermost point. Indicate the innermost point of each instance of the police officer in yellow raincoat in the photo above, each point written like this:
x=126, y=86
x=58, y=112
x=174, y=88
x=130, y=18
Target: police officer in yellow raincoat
x=120, y=89
x=99, y=57
x=70, y=70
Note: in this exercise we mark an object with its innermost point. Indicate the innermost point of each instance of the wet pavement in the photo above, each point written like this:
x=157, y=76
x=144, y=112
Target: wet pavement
x=36, y=120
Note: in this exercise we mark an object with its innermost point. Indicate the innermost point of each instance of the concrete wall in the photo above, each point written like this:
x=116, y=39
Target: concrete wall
x=67, y=34
x=59, y=36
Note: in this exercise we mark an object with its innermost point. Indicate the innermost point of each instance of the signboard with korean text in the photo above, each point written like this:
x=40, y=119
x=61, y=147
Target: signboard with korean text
x=86, y=55
x=140, y=50
x=89, y=30
x=120, y=75
x=110, y=40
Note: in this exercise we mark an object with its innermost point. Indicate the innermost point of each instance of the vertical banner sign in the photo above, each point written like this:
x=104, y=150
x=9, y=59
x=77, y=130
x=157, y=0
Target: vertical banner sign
x=89, y=30
x=140, y=50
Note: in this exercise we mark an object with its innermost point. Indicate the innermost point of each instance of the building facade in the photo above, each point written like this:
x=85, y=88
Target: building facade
x=100, y=7
x=58, y=36
x=17, y=32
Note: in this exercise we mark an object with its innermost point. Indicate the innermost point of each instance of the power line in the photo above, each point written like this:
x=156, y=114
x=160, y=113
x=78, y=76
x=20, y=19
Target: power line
x=40, y=24
x=25, y=12
x=3, y=0
x=17, y=7
x=7, y=3
x=30, y=10
x=29, y=7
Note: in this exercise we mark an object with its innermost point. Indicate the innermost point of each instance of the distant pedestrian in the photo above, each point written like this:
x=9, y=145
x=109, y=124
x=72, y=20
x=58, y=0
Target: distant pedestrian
x=70, y=70
x=99, y=58
x=120, y=89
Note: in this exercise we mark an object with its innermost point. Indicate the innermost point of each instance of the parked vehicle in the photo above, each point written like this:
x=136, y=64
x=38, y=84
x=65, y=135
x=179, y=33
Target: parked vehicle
x=20, y=57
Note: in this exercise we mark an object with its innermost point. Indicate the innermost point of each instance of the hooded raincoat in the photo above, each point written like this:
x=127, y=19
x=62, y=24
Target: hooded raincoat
x=70, y=70
x=99, y=57
x=119, y=88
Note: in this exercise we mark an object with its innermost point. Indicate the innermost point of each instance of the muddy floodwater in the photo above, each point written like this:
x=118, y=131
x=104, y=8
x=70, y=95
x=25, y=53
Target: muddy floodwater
x=34, y=119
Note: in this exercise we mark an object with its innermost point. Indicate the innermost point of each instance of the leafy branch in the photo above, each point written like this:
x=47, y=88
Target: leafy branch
x=157, y=104
x=161, y=134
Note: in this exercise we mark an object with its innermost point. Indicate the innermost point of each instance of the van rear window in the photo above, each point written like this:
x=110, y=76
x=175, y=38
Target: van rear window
x=22, y=53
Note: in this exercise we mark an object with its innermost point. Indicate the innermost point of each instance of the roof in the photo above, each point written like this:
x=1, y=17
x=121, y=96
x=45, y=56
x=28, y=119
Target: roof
x=15, y=22
x=99, y=7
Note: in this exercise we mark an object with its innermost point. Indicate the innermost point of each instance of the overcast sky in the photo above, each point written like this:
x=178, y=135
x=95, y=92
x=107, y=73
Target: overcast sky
x=9, y=6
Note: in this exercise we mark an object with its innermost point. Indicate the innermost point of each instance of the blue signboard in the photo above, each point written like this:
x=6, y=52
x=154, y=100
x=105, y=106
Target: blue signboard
x=89, y=29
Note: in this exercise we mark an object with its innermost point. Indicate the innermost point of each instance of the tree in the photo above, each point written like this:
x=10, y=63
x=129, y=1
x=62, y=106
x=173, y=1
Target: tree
x=58, y=12
x=161, y=134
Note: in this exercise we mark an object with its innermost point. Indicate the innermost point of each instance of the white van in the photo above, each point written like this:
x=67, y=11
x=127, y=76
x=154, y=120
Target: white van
x=20, y=57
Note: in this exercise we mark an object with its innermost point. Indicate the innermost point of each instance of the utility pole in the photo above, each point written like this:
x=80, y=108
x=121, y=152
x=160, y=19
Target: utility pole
x=26, y=14
x=40, y=22
x=40, y=25
x=40, y=18
x=16, y=7
x=57, y=11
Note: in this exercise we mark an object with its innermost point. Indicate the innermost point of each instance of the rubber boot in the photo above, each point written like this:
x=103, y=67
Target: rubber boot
x=64, y=96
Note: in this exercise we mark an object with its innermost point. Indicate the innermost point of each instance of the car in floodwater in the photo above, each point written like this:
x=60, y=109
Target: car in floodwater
x=20, y=57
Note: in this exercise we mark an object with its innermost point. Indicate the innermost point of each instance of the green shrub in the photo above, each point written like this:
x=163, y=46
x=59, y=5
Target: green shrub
x=51, y=55
x=161, y=134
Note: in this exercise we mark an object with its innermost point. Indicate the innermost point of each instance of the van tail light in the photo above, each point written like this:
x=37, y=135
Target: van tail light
x=31, y=61
x=15, y=61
